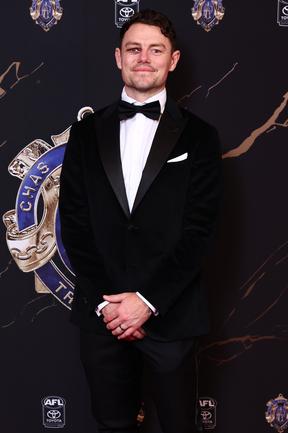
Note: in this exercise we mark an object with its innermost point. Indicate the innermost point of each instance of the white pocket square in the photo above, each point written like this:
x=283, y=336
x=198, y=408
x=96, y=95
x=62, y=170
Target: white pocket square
x=179, y=158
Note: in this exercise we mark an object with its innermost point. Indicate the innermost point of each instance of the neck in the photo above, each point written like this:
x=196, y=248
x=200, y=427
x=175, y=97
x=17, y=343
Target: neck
x=141, y=96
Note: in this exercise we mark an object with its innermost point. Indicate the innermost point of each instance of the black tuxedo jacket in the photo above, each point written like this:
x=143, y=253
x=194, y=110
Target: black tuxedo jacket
x=156, y=249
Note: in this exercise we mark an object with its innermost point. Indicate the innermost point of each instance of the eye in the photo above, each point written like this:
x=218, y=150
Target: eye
x=156, y=51
x=134, y=50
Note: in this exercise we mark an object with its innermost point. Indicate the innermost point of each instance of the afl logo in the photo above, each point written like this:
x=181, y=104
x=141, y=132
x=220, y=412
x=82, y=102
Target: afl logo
x=33, y=227
x=53, y=412
x=207, y=413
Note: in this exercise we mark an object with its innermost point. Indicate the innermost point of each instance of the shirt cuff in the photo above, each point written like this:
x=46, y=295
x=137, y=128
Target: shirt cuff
x=154, y=310
x=99, y=307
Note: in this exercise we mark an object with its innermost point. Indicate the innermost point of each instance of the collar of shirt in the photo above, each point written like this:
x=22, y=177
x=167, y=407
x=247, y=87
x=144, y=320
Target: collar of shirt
x=161, y=97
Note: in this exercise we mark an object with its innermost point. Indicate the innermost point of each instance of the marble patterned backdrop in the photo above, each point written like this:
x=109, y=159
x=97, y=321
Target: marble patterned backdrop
x=235, y=77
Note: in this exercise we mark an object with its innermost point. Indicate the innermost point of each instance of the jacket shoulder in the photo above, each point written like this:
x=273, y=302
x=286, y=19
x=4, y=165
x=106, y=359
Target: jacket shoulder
x=90, y=120
x=206, y=134
x=198, y=122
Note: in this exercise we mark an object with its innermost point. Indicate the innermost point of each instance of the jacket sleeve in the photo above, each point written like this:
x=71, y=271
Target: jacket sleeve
x=76, y=230
x=183, y=264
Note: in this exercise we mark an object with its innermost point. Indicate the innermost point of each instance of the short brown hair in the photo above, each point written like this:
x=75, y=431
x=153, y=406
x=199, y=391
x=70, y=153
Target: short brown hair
x=152, y=18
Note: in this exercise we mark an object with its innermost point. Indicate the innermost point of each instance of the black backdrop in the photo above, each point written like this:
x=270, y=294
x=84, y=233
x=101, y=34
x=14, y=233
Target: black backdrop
x=235, y=77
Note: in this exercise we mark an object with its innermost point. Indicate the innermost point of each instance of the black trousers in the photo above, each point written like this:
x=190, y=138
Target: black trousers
x=114, y=371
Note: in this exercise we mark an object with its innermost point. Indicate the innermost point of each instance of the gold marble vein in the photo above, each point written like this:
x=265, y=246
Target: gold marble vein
x=14, y=68
x=270, y=124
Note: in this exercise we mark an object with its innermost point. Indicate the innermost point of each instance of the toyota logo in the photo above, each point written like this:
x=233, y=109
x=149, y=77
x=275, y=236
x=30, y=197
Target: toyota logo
x=126, y=12
x=206, y=415
x=285, y=10
x=53, y=414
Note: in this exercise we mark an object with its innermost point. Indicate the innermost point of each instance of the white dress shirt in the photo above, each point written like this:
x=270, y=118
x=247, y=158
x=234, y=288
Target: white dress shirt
x=136, y=137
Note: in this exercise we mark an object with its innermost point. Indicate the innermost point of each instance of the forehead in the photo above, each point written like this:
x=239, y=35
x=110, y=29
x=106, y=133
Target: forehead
x=145, y=34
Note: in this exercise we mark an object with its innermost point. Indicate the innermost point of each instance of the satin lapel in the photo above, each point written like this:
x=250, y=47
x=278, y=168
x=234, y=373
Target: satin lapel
x=108, y=131
x=168, y=132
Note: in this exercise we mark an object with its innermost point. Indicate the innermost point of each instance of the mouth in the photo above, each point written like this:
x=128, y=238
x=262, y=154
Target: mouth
x=143, y=69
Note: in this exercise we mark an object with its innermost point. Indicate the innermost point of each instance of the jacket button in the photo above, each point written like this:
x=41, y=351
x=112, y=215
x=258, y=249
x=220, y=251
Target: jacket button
x=132, y=228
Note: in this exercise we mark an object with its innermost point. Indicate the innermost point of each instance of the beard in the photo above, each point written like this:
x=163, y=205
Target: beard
x=142, y=82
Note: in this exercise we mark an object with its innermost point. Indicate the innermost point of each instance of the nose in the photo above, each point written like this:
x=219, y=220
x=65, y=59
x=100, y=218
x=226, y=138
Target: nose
x=143, y=56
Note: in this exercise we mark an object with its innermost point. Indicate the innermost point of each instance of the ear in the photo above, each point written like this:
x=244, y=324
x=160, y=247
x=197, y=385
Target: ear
x=118, y=58
x=174, y=60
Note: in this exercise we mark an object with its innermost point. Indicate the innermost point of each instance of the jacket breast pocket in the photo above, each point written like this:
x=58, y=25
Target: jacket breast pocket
x=178, y=159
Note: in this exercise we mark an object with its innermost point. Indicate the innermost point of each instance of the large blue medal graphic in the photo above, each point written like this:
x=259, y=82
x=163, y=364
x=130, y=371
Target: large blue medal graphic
x=33, y=227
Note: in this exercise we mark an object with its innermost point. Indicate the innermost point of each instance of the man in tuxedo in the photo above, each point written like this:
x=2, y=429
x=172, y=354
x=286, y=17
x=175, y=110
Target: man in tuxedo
x=138, y=199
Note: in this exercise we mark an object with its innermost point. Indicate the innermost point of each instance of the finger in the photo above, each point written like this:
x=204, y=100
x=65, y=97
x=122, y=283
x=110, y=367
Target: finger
x=114, y=298
x=108, y=312
x=130, y=338
x=110, y=307
x=114, y=324
x=126, y=333
x=117, y=331
x=142, y=330
x=142, y=334
x=109, y=317
x=137, y=335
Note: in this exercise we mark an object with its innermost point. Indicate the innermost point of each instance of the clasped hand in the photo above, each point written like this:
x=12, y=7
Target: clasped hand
x=129, y=311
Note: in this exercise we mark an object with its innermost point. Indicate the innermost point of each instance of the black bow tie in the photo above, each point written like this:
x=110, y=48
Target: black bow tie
x=127, y=110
